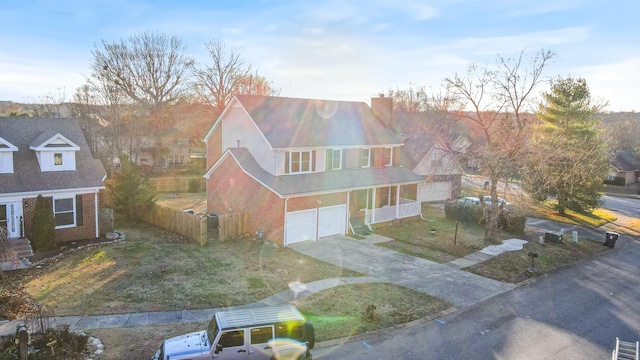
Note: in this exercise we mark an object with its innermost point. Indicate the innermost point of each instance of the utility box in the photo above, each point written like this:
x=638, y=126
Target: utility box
x=553, y=237
x=610, y=239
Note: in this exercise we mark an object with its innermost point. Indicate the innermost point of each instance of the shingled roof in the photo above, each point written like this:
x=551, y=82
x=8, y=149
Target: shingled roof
x=329, y=181
x=27, y=177
x=290, y=122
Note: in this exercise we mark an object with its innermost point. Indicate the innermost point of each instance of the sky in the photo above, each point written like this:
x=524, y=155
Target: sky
x=338, y=50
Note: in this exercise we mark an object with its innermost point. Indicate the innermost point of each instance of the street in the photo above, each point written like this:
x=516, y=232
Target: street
x=575, y=313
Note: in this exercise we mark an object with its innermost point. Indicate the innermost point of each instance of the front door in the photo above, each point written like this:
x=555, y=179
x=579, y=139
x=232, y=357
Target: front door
x=10, y=214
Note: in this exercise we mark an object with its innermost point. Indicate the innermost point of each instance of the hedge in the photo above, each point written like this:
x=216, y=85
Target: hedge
x=509, y=221
x=617, y=181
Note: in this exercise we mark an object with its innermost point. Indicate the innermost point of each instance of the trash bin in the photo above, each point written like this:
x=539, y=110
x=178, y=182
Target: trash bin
x=610, y=239
x=212, y=222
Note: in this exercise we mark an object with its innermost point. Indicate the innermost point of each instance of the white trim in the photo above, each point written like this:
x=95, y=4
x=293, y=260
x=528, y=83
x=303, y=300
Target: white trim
x=300, y=162
x=73, y=210
x=58, y=136
x=10, y=146
x=35, y=193
x=390, y=163
x=333, y=157
x=362, y=157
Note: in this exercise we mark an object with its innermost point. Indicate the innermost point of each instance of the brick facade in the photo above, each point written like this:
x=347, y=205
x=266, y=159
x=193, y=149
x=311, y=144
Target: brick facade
x=86, y=231
x=231, y=188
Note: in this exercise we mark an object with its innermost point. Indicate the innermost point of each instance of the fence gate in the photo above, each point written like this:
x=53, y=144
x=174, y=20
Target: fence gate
x=106, y=220
x=231, y=226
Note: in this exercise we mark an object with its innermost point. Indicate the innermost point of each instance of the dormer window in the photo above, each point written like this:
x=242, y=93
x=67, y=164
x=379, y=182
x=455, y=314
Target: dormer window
x=334, y=159
x=54, y=152
x=6, y=156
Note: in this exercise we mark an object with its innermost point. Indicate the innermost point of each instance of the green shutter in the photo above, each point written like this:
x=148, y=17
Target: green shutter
x=78, y=210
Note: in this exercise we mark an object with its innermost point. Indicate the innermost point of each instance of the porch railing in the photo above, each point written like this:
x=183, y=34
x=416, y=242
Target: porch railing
x=406, y=208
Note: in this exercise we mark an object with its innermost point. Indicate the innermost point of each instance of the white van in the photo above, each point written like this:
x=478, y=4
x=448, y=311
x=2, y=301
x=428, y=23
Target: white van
x=271, y=333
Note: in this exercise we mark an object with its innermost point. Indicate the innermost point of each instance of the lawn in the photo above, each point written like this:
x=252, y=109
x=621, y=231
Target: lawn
x=335, y=313
x=415, y=238
x=155, y=270
x=512, y=266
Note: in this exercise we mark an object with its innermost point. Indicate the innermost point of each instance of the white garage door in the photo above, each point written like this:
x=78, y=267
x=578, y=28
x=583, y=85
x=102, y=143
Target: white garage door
x=331, y=220
x=301, y=225
x=436, y=191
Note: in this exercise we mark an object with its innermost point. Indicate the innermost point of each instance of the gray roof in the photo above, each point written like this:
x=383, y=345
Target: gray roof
x=27, y=177
x=624, y=161
x=290, y=122
x=335, y=181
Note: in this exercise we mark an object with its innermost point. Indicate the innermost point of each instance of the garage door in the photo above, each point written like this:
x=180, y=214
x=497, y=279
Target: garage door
x=301, y=225
x=331, y=220
x=436, y=191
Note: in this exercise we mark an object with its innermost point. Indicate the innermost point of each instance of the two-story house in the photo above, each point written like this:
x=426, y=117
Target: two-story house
x=305, y=169
x=48, y=157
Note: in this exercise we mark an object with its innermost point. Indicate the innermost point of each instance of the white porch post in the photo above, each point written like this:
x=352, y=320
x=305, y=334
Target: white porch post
x=398, y=202
x=97, y=214
x=373, y=206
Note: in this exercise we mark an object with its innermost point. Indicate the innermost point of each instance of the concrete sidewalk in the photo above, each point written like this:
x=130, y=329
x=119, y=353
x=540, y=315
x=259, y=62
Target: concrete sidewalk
x=390, y=266
x=446, y=280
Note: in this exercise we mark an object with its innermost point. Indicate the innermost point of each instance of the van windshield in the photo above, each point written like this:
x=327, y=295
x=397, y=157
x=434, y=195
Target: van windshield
x=212, y=330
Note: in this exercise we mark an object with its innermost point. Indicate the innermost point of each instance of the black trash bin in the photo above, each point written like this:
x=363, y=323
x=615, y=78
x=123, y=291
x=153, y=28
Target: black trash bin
x=610, y=239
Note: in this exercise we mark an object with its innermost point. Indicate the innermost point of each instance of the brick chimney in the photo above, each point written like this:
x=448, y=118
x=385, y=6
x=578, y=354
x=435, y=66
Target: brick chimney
x=383, y=108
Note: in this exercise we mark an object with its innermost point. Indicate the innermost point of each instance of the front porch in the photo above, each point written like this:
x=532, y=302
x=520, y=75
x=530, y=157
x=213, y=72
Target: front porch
x=382, y=204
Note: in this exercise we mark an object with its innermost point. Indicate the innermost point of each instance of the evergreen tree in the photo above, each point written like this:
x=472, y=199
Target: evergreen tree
x=569, y=159
x=43, y=232
x=132, y=192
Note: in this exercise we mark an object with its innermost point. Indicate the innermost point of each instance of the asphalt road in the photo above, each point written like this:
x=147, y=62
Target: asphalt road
x=626, y=206
x=575, y=313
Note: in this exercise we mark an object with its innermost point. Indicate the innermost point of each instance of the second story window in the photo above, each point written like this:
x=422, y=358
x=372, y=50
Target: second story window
x=299, y=162
x=387, y=157
x=334, y=159
x=57, y=159
x=365, y=157
x=436, y=161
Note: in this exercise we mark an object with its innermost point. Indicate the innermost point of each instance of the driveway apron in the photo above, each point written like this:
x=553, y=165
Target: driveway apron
x=445, y=281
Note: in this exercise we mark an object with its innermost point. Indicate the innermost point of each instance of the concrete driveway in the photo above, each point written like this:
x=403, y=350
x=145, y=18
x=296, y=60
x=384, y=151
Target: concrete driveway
x=446, y=281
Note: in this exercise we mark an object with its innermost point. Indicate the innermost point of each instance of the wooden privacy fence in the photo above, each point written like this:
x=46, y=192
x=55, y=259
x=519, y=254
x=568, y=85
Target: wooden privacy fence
x=186, y=224
x=178, y=184
x=231, y=226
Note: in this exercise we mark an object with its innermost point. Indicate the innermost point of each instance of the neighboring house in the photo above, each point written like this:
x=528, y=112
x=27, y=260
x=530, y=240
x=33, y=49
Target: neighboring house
x=304, y=169
x=626, y=166
x=431, y=159
x=48, y=157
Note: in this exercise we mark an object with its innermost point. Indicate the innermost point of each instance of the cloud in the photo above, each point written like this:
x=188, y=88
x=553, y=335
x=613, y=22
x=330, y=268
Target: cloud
x=616, y=82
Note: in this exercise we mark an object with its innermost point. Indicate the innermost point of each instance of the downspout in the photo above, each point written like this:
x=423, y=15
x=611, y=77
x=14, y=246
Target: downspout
x=284, y=230
x=95, y=206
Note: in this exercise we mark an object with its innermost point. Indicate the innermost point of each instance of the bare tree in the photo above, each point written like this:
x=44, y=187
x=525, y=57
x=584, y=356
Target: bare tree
x=227, y=75
x=496, y=101
x=50, y=104
x=149, y=68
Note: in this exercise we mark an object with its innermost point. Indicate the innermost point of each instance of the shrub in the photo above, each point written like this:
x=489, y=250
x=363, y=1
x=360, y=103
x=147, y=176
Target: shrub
x=512, y=223
x=194, y=185
x=619, y=181
x=43, y=231
x=509, y=221
x=133, y=193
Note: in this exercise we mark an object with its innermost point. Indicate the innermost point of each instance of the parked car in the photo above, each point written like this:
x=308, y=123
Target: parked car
x=272, y=332
x=501, y=201
x=470, y=200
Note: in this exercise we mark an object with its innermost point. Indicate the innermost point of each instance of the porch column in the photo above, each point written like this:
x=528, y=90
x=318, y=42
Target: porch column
x=373, y=207
x=398, y=202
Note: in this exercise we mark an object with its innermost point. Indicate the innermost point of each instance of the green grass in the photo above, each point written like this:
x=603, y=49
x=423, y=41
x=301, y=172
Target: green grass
x=447, y=244
x=342, y=311
x=513, y=266
x=155, y=271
